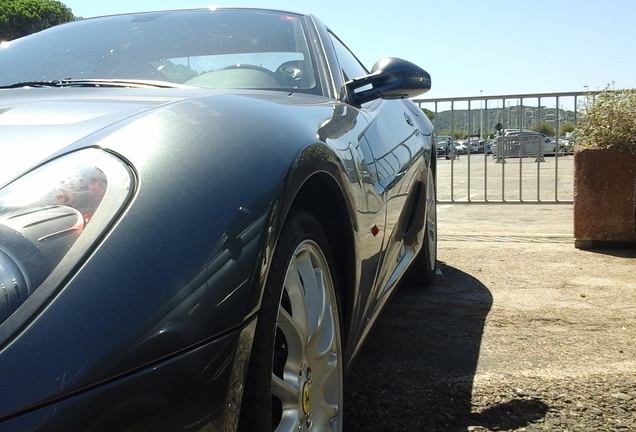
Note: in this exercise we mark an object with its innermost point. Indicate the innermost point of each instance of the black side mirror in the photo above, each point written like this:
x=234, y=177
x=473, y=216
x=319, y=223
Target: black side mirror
x=390, y=78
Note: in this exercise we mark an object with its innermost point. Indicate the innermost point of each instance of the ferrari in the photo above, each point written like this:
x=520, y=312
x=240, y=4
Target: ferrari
x=202, y=214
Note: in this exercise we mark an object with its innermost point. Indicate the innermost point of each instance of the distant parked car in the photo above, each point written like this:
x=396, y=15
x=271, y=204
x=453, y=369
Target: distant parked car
x=461, y=147
x=473, y=146
x=550, y=146
x=523, y=143
x=446, y=147
x=488, y=146
x=566, y=145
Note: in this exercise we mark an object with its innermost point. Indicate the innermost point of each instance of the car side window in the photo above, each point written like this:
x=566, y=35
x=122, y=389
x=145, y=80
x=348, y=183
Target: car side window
x=349, y=65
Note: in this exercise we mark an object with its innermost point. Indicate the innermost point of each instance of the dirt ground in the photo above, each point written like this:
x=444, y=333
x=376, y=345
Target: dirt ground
x=520, y=332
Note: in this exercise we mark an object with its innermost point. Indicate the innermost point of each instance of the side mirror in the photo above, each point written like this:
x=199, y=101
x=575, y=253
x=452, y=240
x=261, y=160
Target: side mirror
x=390, y=78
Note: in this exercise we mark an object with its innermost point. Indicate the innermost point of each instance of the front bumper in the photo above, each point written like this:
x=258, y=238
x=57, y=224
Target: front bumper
x=199, y=389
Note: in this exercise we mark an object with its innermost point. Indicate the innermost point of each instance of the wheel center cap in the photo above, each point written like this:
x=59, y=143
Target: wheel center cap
x=306, y=398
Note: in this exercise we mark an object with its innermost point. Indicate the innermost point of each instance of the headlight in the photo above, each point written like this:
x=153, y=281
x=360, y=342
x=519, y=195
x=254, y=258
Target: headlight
x=49, y=219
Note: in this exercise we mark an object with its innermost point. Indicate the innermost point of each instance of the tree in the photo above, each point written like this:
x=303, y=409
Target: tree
x=430, y=114
x=22, y=17
x=544, y=128
x=566, y=128
x=177, y=72
x=457, y=134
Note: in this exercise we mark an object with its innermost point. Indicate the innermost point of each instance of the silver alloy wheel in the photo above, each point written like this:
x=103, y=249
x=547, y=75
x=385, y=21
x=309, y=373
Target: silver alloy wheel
x=431, y=221
x=307, y=377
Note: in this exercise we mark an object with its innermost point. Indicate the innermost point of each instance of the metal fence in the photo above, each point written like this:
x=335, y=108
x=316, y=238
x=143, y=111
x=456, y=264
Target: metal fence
x=518, y=148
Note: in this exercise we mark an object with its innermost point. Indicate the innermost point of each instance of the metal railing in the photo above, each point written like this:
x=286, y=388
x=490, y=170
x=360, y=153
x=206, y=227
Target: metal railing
x=507, y=162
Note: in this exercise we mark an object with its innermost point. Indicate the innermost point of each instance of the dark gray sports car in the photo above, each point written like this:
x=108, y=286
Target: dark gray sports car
x=202, y=212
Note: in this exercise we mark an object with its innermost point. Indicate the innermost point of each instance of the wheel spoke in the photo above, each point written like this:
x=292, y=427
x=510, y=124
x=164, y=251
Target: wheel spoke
x=331, y=333
x=326, y=387
x=311, y=296
x=325, y=416
x=294, y=288
x=295, y=336
x=286, y=392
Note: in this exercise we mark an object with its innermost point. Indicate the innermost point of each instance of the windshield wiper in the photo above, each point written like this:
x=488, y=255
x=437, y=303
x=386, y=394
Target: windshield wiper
x=96, y=83
x=31, y=84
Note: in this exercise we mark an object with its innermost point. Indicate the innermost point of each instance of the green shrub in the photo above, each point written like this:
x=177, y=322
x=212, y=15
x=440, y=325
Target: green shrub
x=566, y=128
x=544, y=128
x=609, y=121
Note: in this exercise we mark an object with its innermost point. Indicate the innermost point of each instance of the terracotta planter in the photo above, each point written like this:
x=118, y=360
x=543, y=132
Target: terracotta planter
x=604, y=199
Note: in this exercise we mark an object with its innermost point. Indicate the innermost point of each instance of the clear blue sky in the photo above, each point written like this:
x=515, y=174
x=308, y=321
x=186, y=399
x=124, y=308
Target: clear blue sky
x=498, y=46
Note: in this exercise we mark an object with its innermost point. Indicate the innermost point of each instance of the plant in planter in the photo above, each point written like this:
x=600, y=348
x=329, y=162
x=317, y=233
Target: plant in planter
x=605, y=171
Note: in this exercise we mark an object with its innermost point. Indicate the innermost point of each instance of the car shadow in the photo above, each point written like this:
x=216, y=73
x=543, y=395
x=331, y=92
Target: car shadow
x=627, y=252
x=416, y=370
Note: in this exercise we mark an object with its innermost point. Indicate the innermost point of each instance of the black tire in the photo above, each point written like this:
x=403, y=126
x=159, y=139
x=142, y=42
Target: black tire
x=296, y=358
x=424, y=267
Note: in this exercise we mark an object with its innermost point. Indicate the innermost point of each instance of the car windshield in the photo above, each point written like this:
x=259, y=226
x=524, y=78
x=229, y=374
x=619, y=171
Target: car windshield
x=204, y=48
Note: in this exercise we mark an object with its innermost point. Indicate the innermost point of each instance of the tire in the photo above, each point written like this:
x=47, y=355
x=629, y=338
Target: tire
x=296, y=359
x=423, y=269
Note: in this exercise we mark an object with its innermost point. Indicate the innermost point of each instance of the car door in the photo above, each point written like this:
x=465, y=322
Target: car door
x=396, y=142
x=391, y=145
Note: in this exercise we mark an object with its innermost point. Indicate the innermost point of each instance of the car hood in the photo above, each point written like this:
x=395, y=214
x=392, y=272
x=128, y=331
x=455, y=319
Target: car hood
x=38, y=124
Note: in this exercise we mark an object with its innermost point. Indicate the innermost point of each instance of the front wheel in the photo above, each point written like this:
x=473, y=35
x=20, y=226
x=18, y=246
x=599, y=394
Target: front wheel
x=295, y=376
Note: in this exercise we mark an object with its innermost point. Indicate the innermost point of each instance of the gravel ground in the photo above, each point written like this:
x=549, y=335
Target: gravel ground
x=520, y=332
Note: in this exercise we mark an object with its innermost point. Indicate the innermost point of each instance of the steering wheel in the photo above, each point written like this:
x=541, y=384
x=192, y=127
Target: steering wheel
x=254, y=68
x=291, y=72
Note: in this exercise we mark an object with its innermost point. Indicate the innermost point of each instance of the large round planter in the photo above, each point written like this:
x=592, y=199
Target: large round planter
x=604, y=199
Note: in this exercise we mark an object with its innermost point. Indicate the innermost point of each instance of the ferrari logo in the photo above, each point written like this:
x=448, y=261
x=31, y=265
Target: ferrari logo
x=306, y=398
